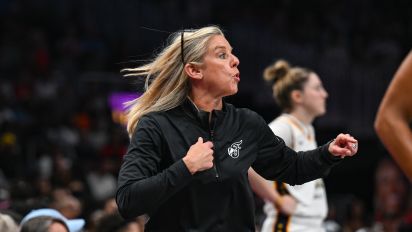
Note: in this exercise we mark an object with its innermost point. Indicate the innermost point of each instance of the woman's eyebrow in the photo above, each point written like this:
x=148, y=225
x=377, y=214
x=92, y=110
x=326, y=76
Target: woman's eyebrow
x=222, y=47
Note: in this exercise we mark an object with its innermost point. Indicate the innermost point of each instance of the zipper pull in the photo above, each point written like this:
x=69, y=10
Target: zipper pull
x=216, y=173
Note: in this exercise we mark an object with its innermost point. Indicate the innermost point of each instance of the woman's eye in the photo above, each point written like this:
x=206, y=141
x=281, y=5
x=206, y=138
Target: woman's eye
x=222, y=55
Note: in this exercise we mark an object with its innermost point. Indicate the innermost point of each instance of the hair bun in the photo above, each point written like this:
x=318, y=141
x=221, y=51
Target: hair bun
x=276, y=71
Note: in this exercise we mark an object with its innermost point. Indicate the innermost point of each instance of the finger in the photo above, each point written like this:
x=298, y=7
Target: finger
x=210, y=165
x=350, y=145
x=349, y=136
x=209, y=144
x=352, y=140
x=353, y=147
x=200, y=140
x=209, y=152
x=346, y=139
x=341, y=151
x=352, y=151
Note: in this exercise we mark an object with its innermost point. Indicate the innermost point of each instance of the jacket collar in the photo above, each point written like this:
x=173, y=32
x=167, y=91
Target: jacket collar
x=202, y=116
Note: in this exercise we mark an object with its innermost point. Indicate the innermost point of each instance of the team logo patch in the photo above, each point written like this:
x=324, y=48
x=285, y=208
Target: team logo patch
x=234, y=149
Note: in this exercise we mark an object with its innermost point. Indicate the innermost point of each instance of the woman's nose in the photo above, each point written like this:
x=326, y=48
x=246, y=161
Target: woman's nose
x=235, y=61
x=326, y=93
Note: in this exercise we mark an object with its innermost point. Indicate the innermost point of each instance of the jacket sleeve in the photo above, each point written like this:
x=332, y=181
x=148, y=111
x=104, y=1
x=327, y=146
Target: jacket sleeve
x=276, y=161
x=142, y=185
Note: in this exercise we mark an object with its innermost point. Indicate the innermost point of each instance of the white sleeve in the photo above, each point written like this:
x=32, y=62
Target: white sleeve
x=283, y=130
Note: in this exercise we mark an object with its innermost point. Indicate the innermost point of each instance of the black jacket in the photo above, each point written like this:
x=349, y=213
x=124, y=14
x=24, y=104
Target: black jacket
x=154, y=180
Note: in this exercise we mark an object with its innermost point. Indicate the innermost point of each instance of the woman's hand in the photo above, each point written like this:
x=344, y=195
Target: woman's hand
x=286, y=204
x=343, y=145
x=199, y=157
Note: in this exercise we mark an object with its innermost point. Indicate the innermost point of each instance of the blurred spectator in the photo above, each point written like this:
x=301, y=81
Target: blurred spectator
x=115, y=223
x=101, y=181
x=64, y=202
x=110, y=206
x=4, y=192
x=7, y=224
x=109, y=216
x=44, y=224
x=331, y=223
x=356, y=216
x=391, y=197
x=43, y=220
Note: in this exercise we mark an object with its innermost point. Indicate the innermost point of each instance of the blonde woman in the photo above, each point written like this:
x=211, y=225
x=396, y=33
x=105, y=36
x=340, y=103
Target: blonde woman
x=300, y=94
x=187, y=162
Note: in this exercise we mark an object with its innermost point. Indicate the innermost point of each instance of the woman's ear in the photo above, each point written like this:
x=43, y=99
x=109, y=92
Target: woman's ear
x=296, y=96
x=193, y=71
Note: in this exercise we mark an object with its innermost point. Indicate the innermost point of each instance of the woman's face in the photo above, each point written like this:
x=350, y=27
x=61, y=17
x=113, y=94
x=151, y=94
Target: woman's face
x=314, y=96
x=57, y=227
x=219, y=69
x=391, y=190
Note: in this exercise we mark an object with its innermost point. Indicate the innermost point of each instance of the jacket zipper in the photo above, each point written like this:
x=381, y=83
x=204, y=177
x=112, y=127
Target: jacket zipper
x=211, y=130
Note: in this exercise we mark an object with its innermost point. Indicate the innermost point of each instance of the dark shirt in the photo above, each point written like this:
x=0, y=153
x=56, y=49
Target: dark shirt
x=154, y=180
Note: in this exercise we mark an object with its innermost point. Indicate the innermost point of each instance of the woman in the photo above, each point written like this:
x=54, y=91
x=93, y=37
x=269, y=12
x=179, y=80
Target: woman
x=187, y=162
x=395, y=114
x=49, y=220
x=302, y=98
x=391, y=193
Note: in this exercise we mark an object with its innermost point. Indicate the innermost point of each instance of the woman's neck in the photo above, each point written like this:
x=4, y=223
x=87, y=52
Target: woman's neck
x=302, y=116
x=206, y=103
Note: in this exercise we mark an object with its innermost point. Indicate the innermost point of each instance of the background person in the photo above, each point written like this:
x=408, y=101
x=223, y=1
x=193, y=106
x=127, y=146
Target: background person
x=300, y=94
x=39, y=220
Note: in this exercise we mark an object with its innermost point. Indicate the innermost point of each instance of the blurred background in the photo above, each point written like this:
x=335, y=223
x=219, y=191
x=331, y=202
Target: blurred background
x=61, y=132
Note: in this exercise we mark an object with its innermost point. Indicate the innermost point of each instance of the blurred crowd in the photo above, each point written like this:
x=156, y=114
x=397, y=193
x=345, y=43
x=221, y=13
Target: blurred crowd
x=60, y=61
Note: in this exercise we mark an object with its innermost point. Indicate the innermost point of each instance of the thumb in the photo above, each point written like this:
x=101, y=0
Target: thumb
x=200, y=140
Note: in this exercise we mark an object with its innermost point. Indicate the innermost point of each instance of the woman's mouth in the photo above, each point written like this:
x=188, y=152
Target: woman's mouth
x=237, y=77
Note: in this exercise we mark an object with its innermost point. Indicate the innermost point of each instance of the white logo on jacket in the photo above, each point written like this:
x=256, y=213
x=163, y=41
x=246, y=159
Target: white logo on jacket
x=234, y=149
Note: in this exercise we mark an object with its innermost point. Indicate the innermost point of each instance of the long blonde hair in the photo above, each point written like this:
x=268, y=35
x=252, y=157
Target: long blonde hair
x=284, y=80
x=166, y=84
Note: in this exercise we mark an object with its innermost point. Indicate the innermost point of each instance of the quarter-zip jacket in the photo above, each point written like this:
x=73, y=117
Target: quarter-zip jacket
x=154, y=180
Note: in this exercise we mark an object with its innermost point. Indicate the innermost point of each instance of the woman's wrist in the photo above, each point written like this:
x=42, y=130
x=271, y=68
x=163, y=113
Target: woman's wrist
x=278, y=201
